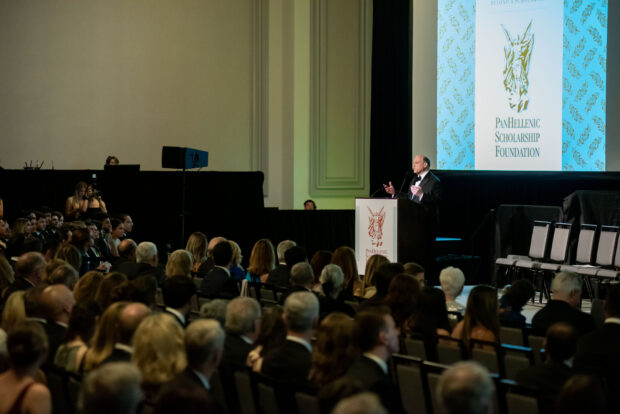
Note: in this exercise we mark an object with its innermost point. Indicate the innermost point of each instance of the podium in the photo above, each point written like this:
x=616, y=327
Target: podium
x=398, y=229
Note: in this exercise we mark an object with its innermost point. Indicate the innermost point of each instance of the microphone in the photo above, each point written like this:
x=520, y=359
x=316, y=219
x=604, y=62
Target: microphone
x=408, y=174
x=374, y=193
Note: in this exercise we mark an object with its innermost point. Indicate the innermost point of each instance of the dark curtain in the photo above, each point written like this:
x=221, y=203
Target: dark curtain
x=390, y=119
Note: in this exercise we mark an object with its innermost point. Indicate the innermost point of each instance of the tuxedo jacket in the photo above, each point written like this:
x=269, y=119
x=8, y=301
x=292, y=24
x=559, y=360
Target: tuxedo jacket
x=236, y=352
x=218, y=284
x=289, y=363
x=560, y=311
x=373, y=379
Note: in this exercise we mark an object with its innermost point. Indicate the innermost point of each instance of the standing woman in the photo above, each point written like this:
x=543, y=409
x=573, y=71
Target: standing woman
x=95, y=204
x=77, y=204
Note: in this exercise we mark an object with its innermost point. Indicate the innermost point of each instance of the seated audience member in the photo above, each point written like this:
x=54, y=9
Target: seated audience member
x=14, y=311
x=117, y=231
x=309, y=205
x=179, y=263
x=431, y=320
x=86, y=287
x=242, y=322
x=465, y=388
x=144, y=290
x=112, y=388
x=271, y=335
x=279, y=276
x=101, y=241
x=19, y=391
x=262, y=261
x=64, y=274
x=197, y=245
x=563, y=306
x=345, y=258
x=452, y=281
x=363, y=403
x=378, y=340
x=5, y=235
x=7, y=276
x=185, y=398
x=300, y=280
x=178, y=293
x=21, y=232
x=50, y=266
x=127, y=223
x=126, y=260
x=215, y=309
x=481, y=321
x=79, y=333
x=70, y=254
x=105, y=337
x=320, y=259
x=80, y=238
x=236, y=270
x=55, y=223
x=402, y=299
x=148, y=262
x=129, y=318
x=29, y=272
x=291, y=362
x=416, y=271
x=373, y=263
x=335, y=349
x=40, y=226
x=598, y=351
x=218, y=283
x=158, y=352
x=560, y=346
x=108, y=290
x=582, y=394
x=332, y=280
x=58, y=302
x=76, y=204
x=331, y=394
x=208, y=264
x=50, y=248
x=382, y=277
x=512, y=302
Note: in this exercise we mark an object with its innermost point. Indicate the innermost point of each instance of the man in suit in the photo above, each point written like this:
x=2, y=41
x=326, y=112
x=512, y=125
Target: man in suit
x=148, y=262
x=111, y=388
x=300, y=280
x=280, y=275
x=126, y=260
x=218, y=283
x=378, y=340
x=560, y=346
x=564, y=306
x=128, y=320
x=465, y=387
x=291, y=362
x=598, y=352
x=57, y=302
x=178, y=292
x=29, y=271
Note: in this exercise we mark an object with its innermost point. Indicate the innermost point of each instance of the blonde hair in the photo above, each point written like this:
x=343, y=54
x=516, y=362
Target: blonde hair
x=372, y=264
x=106, y=335
x=180, y=263
x=14, y=311
x=197, y=246
x=159, y=349
x=236, y=253
x=262, y=258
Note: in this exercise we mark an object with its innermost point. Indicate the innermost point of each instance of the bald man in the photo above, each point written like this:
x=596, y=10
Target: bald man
x=126, y=261
x=58, y=302
x=128, y=321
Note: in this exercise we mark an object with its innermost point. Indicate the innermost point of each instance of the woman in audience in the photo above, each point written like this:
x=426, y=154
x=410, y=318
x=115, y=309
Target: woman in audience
x=77, y=204
x=332, y=280
x=402, y=299
x=79, y=333
x=106, y=294
x=159, y=352
x=271, y=335
x=86, y=288
x=7, y=275
x=51, y=265
x=22, y=231
x=431, y=319
x=512, y=302
x=95, y=205
x=262, y=261
x=345, y=258
x=481, y=321
x=372, y=264
x=320, y=259
x=335, y=349
x=180, y=263
x=114, y=237
x=452, y=281
x=71, y=255
x=106, y=335
x=197, y=246
x=236, y=270
x=19, y=392
x=14, y=311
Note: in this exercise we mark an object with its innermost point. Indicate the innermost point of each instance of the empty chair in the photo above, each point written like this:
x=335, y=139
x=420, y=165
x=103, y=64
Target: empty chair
x=613, y=273
x=410, y=382
x=605, y=258
x=557, y=256
x=538, y=248
x=511, y=336
x=585, y=247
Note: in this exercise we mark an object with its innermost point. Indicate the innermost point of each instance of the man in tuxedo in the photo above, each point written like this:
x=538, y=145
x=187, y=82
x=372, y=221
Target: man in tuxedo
x=291, y=362
x=128, y=320
x=242, y=320
x=378, y=340
x=300, y=280
x=148, y=262
x=598, y=352
x=178, y=292
x=57, y=302
x=564, y=306
x=465, y=387
x=29, y=272
x=126, y=260
x=218, y=283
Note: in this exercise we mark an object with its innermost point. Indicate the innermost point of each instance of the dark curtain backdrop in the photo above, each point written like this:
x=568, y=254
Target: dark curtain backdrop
x=390, y=118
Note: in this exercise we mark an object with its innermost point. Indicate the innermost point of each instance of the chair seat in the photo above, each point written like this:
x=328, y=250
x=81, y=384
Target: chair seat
x=570, y=268
x=527, y=264
x=550, y=266
x=608, y=273
x=505, y=261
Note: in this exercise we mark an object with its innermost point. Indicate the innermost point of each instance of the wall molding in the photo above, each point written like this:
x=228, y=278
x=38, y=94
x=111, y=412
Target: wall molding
x=321, y=183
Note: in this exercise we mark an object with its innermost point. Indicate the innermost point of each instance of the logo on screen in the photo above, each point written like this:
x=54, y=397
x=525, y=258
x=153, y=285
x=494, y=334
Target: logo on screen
x=375, y=226
x=517, y=54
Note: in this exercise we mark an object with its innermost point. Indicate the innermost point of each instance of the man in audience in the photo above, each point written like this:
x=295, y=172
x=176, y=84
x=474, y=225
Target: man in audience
x=127, y=221
x=383, y=276
x=378, y=340
x=178, y=293
x=280, y=275
x=292, y=361
x=300, y=280
x=218, y=283
x=57, y=302
x=599, y=351
x=5, y=234
x=56, y=220
x=242, y=320
x=111, y=388
x=560, y=346
x=128, y=321
x=208, y=264
x=29, y=272
x=144, y=290
x=563, y=306
x=362, y=403
x=465, y=388
x=148, y=261
x=416, y=271
x=126, y=260
x=39, y=231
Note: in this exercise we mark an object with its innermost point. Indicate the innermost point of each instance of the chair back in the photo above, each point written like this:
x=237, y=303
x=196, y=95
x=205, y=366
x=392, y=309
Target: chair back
x=511, y=336
x=415, y=347
x=559, y=245
x=585, y=245
x=539, y=241
x=56, y=382
x=306, y=403
x=449, y=350
x=432, y=373
x=606, y=245
x=410, y=383
x=267, y=400
x=244, y=391
x=515, y=359
x=536, y=343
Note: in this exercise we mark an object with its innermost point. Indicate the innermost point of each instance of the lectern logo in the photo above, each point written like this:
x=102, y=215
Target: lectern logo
x=375, y=227
x=518, y=53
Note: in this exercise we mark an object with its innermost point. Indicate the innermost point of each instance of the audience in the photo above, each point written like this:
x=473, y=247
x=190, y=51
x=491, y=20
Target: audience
x=320, y=259
x=242, y=324
x=58, y=302
x=179, y=263
x=466, y=388
x=452, y=281
x=106, y=336
x=197, y=246
x=128, y=320
x=345, y=258
x=300, y=280
x=109, y=289
x=431, y=320
x=279, y=276
x=262, y=261
x=271, y=336
x=29, y=272
x=236, y=270
x=86, y=288
x=513, y=301
x=218, y=282
x=416, y=271
x=402, y=299
x=81, y=328
x=179, y=292
x=362, y=403
x=112, y=388
x=215, y=309
x=373, y=263
x=582, y=394
x=148, y=262
x=14, y=311
x=481, y=321
x=382, y=277
x=332, y=280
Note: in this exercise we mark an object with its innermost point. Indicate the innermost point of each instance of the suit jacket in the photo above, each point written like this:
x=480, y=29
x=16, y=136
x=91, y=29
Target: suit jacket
x=372, y=378
x=376, y=300
x=117, y=355
x=126, y=266
x=289, y=363
x=279, y=276
x=176, y=318
x=560, y=311
x=236, y=352
x=188, y=379
x=293, y=290
x=548, y=378
x=55, y=337
x=217, y=284
x=599, y=353
x=328, y=305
